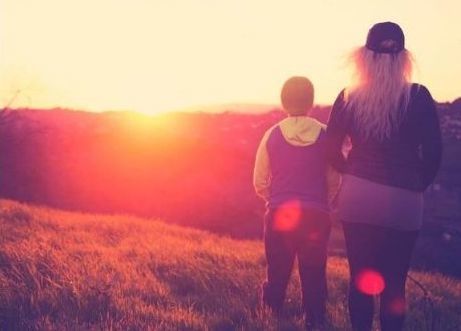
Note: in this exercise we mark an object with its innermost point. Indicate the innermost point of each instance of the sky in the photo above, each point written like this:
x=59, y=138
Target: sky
x=159, y=55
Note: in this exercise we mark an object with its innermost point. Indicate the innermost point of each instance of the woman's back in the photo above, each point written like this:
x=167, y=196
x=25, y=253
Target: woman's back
x=408, y=158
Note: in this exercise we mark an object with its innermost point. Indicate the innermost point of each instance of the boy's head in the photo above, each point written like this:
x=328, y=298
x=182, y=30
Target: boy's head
x=297, y=96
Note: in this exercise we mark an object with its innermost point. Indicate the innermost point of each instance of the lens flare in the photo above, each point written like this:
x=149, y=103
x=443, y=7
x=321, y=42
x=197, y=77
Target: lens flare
x=314, y=236
x=397, y=306
x=370, y=282
x=287, y=216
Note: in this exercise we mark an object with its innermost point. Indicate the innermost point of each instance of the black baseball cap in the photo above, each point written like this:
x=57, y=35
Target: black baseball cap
x=385, y=37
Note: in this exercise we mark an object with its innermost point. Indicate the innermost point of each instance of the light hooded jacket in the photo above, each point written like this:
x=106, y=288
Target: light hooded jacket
x=291, y=165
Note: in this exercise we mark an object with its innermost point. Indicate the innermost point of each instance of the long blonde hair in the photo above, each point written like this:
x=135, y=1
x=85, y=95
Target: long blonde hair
x=380, y=93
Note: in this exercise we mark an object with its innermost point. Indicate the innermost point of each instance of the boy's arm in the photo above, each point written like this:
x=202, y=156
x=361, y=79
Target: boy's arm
x=333, y=184
x=262, y=171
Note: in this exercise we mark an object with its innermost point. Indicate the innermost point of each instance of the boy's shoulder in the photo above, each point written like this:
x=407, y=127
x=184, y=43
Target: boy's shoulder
x=300, y=130
x=316, y=122
x=268, y=132
x=297, y=130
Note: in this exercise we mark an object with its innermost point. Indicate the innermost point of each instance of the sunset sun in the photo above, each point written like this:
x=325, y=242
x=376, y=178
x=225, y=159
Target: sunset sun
x=154, y=56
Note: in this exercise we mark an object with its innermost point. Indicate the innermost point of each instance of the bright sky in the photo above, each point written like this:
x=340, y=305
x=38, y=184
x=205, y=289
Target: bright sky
x=156, y=55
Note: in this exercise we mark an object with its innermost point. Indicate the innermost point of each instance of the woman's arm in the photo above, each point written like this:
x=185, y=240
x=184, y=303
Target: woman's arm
x=431, y=144
x=336, y=132
x=333, y=185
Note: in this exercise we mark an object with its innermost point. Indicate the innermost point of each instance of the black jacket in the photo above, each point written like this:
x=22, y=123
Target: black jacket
x=409, y=159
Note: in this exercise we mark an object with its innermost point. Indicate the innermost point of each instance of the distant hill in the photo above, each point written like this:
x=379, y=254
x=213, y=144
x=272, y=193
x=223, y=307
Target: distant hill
x=69, y=271
x=174, y=165
x=320, y=112
x=192, y=168
x=249, y=108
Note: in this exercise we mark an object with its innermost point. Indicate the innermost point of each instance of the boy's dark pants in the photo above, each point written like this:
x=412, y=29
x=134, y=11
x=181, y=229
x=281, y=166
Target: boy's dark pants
x=304, y=234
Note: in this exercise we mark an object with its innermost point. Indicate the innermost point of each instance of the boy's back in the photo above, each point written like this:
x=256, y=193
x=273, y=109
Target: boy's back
x=291, y=164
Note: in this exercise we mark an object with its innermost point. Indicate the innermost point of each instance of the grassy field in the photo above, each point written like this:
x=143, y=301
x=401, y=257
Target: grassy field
x=71, y=271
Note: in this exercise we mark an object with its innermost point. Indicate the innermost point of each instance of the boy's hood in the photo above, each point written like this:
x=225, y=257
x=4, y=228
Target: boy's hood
x=301, y=130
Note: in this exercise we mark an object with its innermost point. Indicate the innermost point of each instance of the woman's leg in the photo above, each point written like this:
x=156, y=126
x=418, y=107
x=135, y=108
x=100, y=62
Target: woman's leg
x=395, y=259
x=362, y=244
x=280, y=255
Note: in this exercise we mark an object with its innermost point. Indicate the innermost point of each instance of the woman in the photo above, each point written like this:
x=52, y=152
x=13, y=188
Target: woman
x=395, y=154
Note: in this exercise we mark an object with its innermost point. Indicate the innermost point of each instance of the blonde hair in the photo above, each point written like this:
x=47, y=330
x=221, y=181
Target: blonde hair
x=380, y=93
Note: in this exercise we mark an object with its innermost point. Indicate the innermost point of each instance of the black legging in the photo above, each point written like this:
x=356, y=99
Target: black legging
x=386, y=252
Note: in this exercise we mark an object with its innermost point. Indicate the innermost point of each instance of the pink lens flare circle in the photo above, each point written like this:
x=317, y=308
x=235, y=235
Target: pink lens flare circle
x=370, y=282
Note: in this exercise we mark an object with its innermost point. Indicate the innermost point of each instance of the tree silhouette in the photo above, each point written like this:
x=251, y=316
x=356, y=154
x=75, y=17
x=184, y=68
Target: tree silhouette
x=6, y=112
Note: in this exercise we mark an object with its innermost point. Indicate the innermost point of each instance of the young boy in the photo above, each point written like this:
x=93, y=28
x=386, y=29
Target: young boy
x=291, y=175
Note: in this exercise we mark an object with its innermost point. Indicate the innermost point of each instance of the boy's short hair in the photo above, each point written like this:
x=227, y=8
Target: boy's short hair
x=297, y=95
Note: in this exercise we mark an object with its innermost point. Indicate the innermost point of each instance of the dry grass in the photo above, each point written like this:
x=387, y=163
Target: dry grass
x=70, y=271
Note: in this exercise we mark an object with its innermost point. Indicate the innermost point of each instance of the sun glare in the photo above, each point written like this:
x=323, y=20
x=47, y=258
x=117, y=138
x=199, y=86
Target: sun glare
x=287, y=216
x=154, y=56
